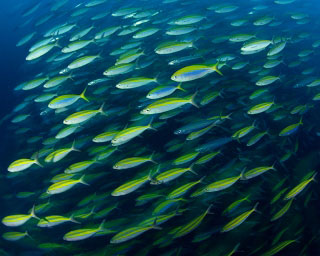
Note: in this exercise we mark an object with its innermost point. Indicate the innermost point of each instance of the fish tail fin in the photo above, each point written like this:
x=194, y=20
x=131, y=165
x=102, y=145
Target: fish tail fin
x=150, y=125
x=33, y=213
x=155, y=226
x=156, y=79
x=180, y=88
x=73, y=147
x=202, y=179
x=73, y=220
x=82, y=95
x=97, y=160
x=215, y=68
x=101, y=109
x=255, y=207
x=220, y=152
x=208, y=211
x=82, y=180
x=101, y=226
x=190, y=169
x=150, y=175
x=36, y=160
x=191, y=99
x=71, y=76
x=58, y=44
x=99, y=56
x=242, y=176
x=157, y=170
x=153, y=180
x=229, y=116
x=152, y=157
x=300, y=121
x=27, y=234
x=221, y=92
x=93, y=209
x=313, y=177
x=137, y=64
x=194, y=45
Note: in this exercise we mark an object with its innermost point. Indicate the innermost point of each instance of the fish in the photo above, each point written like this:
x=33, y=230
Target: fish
x=282, y=211
x=80, y=166
x=131, y=233
x=282, y=244
x=76, y=45
x=19, y=219
x=183, y=189
x=260, y=108
x=194, y=72
x=256, y=138
x=255, y=45
x=163, y=91
x=243, y=131
x=256, y=172
x=130, y=133
x=172, y=174
x=42, y=50
x=135, y=82
x=34, y=83
x=82, y=116
x=15, y=236
x=64, y=185
x=235, y=204
x=172, y=47
x=186, y=229
x=291, y=129
x=267, y=80
x=130, y=186
x=222, y=184
x=82, y=61
x=22, y=164
x=55, y=220
x=238, y=220
x=168, y=104
x=81, y=234
x=197, y=134
x=67, y=100
x=59, y=154
x=132, y=162
x=299, y=188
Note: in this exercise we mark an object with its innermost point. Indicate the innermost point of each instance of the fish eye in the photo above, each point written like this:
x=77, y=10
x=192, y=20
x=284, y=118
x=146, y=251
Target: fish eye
x=148, y=109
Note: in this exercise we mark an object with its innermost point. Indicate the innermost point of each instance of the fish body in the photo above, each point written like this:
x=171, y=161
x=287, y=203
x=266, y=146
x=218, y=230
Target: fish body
x=168, y=104
x=65, y=185
x=18, y=219
x=238, y=220
x=194, y=72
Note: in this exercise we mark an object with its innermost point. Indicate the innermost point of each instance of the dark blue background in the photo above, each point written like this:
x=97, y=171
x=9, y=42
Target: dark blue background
x=11, y=60
x=12, y=57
